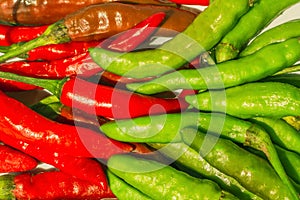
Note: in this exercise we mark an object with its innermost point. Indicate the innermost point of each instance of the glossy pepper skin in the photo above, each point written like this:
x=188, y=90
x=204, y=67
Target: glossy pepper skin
x=113, y=18
x=181, y=49
x=49, y=185
x=282, y=32
x=166, y=128
x=248, y=26
x=81, y=65
x=63, y=138
x=123, y=190
x=193, y=163
x=161, y=181
x=37, y=12
x=227, y=74
x=101, y=100
x=13, y=160
x=259, y=99
x=224, y=154
x=280, y=132
x=15, y=86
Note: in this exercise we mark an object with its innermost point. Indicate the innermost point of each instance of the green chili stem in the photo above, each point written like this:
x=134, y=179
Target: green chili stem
x=54, y=34
x=52, y=85
x=6, y=187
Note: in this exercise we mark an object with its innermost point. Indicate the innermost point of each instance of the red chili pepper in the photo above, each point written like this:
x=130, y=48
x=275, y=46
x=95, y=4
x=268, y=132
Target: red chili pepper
x=81, y=65
x=27, y=125
x=13, y=160
x=102, y=100
x=50, y=185
x=192, y=2
x=81, y=167
x=129, y=40
x=18, y=34
x=60, y=51
x=4, y=29
x=15, y=86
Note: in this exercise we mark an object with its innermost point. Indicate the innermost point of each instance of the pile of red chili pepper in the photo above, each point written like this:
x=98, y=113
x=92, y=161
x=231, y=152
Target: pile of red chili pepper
x=117, y=100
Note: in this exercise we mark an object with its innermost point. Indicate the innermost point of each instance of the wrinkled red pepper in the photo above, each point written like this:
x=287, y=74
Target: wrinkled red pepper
x=13, y=160
x=50, y=185
x=61, y=138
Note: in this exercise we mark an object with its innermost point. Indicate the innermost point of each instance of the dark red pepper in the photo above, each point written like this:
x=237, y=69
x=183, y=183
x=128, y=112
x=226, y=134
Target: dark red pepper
x=81, y=65
x=13, y=160
x=50, y=185
x=61, y=138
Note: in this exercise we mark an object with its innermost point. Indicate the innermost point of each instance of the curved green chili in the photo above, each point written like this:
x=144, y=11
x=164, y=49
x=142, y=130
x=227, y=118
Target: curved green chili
x=282, y=32
x=166, y=128
x=122, y=190
x=290, y=78
x=291, y=163
x=251, y=171
x=264, y=99
x=190, y=159
x=227, y=74
x=294, y=121
x=281, y=133
x=161, y=181
x=202, y=34
x=254, y=21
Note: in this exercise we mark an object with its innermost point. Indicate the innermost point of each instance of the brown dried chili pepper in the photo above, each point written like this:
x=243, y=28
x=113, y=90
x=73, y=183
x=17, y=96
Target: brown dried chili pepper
x=13, y=160
x=101, y=21
x=41, y=12
x=81, y=65
x=62, y=138
x=50, y=185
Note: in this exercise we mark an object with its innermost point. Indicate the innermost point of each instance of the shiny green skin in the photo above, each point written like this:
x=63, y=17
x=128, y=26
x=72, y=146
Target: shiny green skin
x=281, y=133
x=291, y=163
x=160, y=181
x=191, y=160
x=282, y=32
x=166, y=128
x=253, y=22
x=202, y=34
x=260, y=99
x=227, y=74
x=252, y=172
x=122, y=190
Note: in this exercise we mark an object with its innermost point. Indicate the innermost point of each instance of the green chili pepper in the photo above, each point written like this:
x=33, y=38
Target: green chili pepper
x=264, y=99
x=202, y=34
x=254, y=21
x=251, y=171
x=281, y=133
x=294, y=68
x=166, y=128
x=291, y=78
x=191, y=160
x=291, y=163
x=282, y=32
x=227, y=74
x=160, y=181
x=122, y=190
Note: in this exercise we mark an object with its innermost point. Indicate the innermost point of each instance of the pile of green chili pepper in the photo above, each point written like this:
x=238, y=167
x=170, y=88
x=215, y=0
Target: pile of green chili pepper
x=212, y=112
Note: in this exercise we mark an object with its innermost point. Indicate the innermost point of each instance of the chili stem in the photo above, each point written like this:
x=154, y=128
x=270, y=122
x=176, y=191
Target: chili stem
x=52, y=85
x=54, y=34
